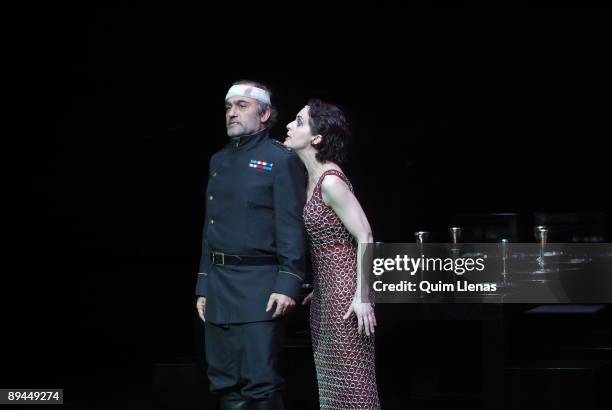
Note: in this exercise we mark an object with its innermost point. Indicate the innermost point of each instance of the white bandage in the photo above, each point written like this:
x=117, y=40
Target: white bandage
x=248, y=91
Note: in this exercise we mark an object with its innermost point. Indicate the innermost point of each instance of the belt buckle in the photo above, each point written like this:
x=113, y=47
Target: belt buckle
x=214, y=259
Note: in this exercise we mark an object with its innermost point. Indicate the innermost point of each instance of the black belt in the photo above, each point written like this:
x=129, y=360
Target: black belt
x=220, y=258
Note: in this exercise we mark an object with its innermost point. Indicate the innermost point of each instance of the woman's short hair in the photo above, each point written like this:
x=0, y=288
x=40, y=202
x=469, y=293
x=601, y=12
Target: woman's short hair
x=329, y=121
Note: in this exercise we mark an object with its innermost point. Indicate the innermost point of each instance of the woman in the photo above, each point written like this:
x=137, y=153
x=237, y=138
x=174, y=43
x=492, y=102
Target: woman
x=342, y=326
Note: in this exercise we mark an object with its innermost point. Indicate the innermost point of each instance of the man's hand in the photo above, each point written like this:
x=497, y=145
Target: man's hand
x=283, y=304
x=201, y=307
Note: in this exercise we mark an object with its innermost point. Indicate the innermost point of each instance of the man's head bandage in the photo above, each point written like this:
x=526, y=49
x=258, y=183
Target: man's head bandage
x=249, y=91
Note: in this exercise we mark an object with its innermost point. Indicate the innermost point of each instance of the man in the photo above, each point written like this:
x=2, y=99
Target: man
x=253, y=252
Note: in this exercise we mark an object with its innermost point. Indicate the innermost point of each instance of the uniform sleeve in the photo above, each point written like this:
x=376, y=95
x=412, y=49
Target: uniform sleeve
x=202, y=281
x=289, y=197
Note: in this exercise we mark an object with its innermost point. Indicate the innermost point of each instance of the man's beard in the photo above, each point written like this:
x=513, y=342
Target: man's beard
x=240, y=132
x=236, y=131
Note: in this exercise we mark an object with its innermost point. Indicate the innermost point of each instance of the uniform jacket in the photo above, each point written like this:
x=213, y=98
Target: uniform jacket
x=254, y=203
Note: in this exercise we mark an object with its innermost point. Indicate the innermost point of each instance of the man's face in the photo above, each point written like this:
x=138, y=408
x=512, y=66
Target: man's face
x=242, y=117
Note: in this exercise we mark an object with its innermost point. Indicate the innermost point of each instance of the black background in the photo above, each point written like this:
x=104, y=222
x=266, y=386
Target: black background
x=469, y=109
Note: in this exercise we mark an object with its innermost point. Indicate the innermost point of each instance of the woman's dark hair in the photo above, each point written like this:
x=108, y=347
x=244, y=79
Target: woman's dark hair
x=329, y=121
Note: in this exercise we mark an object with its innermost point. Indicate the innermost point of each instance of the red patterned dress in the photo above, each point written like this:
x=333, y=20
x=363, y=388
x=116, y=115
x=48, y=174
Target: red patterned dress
x=344, y=359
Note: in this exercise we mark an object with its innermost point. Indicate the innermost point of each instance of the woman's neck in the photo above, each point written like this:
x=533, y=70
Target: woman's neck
x=314, y=167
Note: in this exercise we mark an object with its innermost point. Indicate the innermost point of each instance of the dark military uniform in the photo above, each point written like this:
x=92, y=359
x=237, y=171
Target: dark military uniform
x=253, y=245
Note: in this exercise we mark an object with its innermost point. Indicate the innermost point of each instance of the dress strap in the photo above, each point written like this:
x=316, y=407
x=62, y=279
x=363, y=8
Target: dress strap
x=335, y=172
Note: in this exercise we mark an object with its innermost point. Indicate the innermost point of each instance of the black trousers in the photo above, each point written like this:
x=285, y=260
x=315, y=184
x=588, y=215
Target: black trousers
x=243, y=358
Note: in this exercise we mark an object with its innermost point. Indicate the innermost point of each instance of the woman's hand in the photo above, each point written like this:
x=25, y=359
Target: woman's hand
x=366, y=320
x=307, y=298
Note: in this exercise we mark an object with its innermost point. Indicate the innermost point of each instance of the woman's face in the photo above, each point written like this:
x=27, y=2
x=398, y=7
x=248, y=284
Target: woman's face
x=299, y=135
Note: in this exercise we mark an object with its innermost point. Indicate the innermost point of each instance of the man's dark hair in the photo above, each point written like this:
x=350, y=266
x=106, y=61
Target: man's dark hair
x=262, y=107
x=329, y=121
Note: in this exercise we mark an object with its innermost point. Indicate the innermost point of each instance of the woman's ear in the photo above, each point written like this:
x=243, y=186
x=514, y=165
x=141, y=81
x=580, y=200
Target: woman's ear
x=316, y=140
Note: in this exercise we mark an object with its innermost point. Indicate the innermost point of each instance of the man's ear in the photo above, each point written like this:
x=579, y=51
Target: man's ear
x=266, y=115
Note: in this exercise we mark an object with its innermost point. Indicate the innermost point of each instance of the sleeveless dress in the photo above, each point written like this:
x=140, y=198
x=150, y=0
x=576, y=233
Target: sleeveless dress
x=344, y=360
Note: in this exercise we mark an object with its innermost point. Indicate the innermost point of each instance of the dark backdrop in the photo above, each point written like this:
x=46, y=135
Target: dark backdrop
x=454, y=110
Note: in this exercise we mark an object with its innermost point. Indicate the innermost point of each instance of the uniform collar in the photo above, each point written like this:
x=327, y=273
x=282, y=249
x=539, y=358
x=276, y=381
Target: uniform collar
x=247, y=141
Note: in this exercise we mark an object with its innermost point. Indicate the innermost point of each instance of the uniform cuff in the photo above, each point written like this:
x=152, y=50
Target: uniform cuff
x=202, y=284
x=288, y=284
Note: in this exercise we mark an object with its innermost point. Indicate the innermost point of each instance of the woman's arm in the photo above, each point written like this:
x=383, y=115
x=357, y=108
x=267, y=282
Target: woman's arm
x=337, y=195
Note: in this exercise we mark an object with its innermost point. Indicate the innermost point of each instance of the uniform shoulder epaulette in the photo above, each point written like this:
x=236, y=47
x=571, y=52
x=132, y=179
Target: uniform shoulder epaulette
x=279, y=144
